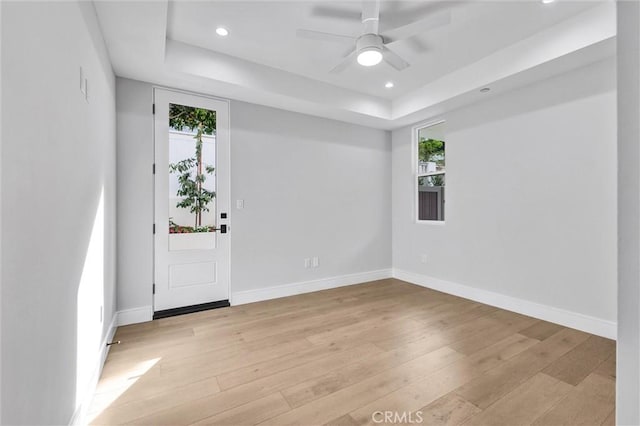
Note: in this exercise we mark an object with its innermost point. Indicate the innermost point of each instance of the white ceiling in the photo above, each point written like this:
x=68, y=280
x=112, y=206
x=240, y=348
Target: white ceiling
x=262, y=60
x=264, y=32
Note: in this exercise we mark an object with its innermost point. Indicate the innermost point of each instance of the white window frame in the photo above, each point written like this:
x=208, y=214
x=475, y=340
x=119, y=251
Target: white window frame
x=415, y=137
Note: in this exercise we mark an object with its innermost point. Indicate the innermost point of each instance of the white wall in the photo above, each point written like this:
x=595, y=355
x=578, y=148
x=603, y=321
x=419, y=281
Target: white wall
x=135, y=195
x=311, y=187
x=58, y=158
x=531, y=196
x=628, y=378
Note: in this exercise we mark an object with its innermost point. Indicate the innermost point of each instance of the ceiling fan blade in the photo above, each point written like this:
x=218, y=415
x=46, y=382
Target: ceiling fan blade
x=346, y=61
x=325, y=11
x=417, y=45
x=393, y=59
x=319, y=35
x=397, y=14
x=421, y=26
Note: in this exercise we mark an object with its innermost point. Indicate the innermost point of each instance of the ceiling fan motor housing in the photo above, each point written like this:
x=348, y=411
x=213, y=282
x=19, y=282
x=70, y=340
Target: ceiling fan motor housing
x=369, y=42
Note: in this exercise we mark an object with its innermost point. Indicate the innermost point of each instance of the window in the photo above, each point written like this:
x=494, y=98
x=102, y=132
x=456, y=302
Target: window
x=192, y=176
x=429, y=151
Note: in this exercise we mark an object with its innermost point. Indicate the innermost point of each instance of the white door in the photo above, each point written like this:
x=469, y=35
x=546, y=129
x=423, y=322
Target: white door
x=191, y=200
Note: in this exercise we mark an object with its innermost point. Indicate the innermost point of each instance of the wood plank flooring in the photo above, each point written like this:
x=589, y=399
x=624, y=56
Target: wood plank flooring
x=353, y=355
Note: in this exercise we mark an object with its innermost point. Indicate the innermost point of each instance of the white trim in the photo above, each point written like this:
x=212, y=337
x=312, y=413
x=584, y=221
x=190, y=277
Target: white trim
x=1, y=211
x=430, y=222
x=190, y=93
x=419, y=175
x=428, y=123
x=135, y=315
x=230, y=209
x=260, y=294
x=589, y=324
x=80, y=415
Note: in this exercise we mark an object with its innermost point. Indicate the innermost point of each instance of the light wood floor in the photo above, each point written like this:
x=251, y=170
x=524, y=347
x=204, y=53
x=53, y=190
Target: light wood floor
x=340, y=356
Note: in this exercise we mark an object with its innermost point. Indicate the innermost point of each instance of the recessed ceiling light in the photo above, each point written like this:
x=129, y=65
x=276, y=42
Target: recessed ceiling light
x=485, y=89
x=369, y=57
x=388, y=84
x=547, y=1
x=222, y=32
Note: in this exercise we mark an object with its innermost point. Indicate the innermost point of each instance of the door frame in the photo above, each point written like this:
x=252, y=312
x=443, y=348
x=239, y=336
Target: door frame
x=153, y=197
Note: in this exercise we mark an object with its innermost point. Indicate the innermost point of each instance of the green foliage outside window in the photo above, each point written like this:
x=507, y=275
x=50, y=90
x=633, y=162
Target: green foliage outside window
x=192, y=172
x=431, y=150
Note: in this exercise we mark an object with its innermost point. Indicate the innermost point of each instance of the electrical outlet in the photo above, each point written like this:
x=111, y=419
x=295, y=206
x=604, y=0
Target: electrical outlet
x=315, y=262
x=239, y=204
x=307, y=262
x=423, y=258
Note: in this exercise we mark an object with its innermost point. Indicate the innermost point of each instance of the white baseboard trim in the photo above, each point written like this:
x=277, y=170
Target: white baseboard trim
x=135, y=315
x=79, y=417
x=563, y=317
x=258, y=295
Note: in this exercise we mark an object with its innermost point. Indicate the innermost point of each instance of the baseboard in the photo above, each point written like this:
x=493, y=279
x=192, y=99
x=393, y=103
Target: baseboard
x=135, y=315
x=145, y=313
x=563, y=317
x=79, y=417
x=258, y=295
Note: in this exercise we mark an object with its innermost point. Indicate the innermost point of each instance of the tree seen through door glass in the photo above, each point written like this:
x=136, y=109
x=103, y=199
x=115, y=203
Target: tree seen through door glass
x=192, y=180
x=431, y=172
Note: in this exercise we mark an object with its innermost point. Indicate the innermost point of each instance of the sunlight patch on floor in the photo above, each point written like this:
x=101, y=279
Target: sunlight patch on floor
x=111, y=389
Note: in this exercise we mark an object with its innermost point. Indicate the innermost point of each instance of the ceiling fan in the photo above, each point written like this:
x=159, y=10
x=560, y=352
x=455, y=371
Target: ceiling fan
x=371, y=47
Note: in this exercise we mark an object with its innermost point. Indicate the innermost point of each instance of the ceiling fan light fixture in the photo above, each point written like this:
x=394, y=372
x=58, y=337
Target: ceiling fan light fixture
x=369, y=57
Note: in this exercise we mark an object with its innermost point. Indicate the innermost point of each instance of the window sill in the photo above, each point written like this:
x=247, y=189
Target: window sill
x=430, y=222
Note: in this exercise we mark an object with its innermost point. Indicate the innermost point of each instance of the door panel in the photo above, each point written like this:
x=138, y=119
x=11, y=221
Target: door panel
x=191, y=192
x=187, y=274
